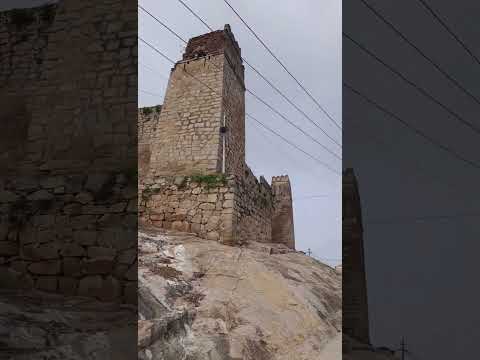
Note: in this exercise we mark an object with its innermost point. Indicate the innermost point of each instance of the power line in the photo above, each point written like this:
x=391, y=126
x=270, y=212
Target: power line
x=295, y=146
x=412, y=128
x=252, y=67
x=289, y=101
x=256, y=96
x=450, y=31
x=247, y=114
x=291, y=123
x=411, y=83
x=426, y=57
x=163, y=24
x=154, y=71
x=311, y=197
x=283, y=66
x=409, y=219
x=194, y=14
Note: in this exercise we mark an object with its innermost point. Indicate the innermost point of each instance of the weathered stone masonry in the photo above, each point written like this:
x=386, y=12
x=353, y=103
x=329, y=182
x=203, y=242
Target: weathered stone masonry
x=189, y=180
x=355, y=300
x=68, y=188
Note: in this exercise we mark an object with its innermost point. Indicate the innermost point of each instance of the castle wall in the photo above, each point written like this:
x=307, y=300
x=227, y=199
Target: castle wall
x=68, y=92
x=201, y=205
x=282, y=223
x=232, y=211
x=253, y=210
x=148, y=119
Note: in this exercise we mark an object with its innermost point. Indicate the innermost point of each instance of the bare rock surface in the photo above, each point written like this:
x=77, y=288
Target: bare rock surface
x=39, y=326
x=199, y=300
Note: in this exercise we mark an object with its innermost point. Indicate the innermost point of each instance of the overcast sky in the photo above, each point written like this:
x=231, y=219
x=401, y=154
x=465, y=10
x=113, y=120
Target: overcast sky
x=306, y=36
x=422, y=276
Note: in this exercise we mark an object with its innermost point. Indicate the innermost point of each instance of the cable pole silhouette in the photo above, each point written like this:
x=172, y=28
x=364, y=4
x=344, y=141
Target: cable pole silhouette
x=403, y=348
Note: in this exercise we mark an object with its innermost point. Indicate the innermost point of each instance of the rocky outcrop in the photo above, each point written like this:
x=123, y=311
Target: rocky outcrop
x=199, y=299
x=37, y=326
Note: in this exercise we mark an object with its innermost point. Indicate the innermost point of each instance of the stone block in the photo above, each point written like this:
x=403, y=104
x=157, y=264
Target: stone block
x=132, y=273
x=85, y=237
x=47, y=283
x=110, y=290
x=181, y=226
x=213, y=235
x=45, y=267
x=7, y=197
x=101, y=252
x=95, y=182
x=157, y=217
x=127, y=256
x=228, y=204
x=120, y=270
x=120, y=240
x=19, y=265
x=82, y=221
x=41, y=195
x=53, y=182
x=84, y=197
x=72, y=267
x=67, y=285
x=132, y=206
x=47, y=251
x=72, y=250
x=207, y=206
x=11, y=279
x=90, y=285
x=212, y=198
x=195, y=228
x=97, y=266
x=8, y=248
x=46, y=236
x=130, y=292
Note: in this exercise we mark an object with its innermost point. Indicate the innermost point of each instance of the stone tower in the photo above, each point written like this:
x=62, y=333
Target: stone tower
x=355, y=303
x=282, y=223
x=204, y=109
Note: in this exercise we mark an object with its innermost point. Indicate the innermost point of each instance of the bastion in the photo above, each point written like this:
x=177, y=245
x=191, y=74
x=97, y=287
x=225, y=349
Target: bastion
x=192, y=171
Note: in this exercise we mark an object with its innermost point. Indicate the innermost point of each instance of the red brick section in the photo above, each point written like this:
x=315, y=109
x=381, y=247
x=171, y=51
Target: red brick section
x=355, y=303
x=211, y=43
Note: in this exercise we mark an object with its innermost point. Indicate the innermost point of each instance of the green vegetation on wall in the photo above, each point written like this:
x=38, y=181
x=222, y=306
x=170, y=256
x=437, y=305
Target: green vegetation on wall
x=210, y=181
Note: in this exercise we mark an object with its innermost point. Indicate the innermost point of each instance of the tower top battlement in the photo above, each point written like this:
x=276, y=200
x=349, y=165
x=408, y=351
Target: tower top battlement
x=281, y=178
x=212, y=43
